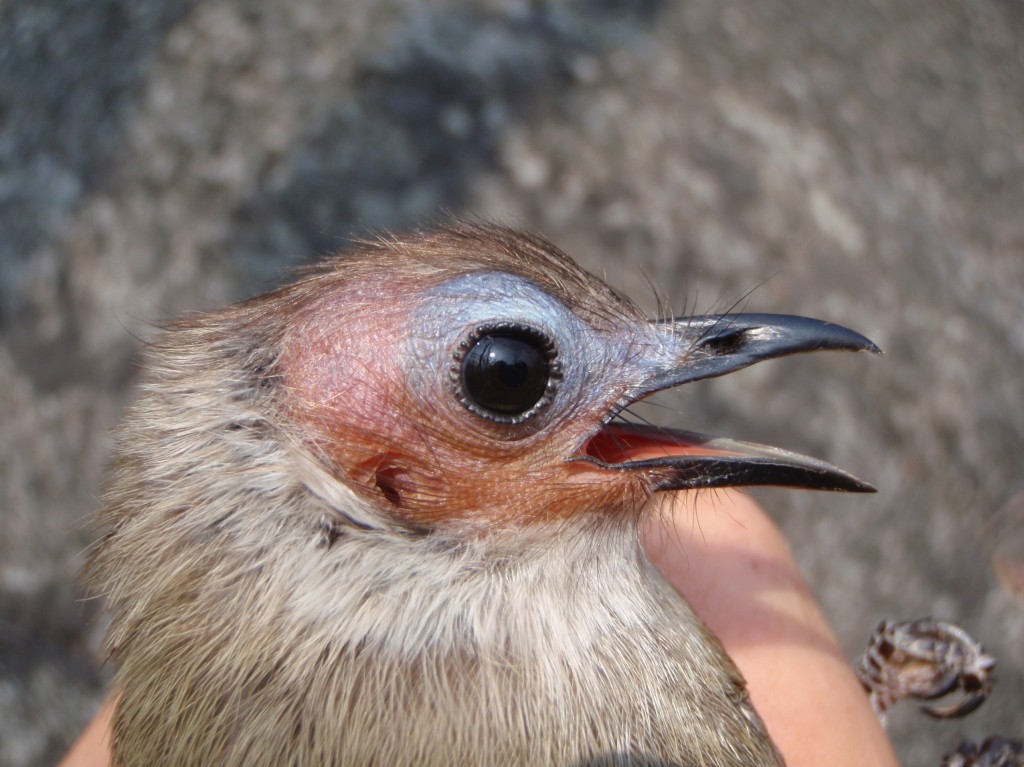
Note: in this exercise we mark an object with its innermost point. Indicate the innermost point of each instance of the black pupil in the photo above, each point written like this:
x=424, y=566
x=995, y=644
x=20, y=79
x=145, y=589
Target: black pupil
x=506, y=374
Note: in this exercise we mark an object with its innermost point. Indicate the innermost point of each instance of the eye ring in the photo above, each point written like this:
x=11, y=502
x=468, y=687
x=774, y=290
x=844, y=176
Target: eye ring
x=506, y=372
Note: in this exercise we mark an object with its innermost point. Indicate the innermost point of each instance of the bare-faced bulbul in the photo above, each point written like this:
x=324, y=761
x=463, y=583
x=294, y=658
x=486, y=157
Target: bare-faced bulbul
x=390, y=514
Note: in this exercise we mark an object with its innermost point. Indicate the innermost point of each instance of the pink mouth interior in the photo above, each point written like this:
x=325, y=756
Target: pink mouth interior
x=621, y=443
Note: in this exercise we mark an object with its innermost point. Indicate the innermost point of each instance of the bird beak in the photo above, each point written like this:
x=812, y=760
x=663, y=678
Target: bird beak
x=694, y=348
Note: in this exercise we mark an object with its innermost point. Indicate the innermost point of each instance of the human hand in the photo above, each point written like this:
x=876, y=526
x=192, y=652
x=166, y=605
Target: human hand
x=730, y=561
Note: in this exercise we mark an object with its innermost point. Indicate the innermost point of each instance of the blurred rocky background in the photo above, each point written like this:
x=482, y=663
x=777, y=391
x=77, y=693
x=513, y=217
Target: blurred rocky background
x=857, y=161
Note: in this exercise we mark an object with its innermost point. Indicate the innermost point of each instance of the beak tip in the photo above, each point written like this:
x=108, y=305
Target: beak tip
x=862, y=487
x=851, y=340
x=837, y=480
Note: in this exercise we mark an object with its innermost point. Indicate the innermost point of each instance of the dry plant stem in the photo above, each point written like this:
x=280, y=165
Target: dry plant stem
x=730, y=561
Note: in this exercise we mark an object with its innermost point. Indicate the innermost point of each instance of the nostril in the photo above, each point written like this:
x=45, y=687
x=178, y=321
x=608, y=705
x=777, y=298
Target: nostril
x=724, y=344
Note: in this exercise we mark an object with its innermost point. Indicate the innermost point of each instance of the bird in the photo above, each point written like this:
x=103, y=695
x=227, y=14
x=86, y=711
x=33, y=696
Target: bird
x=389, y=514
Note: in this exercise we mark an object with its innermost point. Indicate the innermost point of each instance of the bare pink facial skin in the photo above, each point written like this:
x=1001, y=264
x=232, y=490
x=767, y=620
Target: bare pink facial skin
x=419, y=454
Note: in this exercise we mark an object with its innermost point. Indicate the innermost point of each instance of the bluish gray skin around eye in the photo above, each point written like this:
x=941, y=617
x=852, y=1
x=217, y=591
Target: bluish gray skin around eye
x=587, y=359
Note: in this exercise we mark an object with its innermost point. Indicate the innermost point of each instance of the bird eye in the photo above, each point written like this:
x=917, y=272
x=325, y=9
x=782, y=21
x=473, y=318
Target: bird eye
x=507, y=372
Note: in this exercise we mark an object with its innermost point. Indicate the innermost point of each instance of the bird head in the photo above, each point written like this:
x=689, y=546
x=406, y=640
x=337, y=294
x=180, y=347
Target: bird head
x=475, y=378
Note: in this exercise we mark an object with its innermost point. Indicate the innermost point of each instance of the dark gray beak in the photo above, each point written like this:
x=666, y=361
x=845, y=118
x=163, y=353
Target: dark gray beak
x=694, y=348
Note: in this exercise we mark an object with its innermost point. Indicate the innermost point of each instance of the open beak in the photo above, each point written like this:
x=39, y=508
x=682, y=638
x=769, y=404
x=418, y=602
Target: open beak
x=694, y=348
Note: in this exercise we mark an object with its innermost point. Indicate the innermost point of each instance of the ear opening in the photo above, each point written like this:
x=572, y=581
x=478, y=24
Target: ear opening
x=388, y=478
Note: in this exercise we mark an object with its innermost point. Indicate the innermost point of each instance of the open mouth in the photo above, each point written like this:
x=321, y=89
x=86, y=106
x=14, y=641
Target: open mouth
x=706, y=347
x=681, y=459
